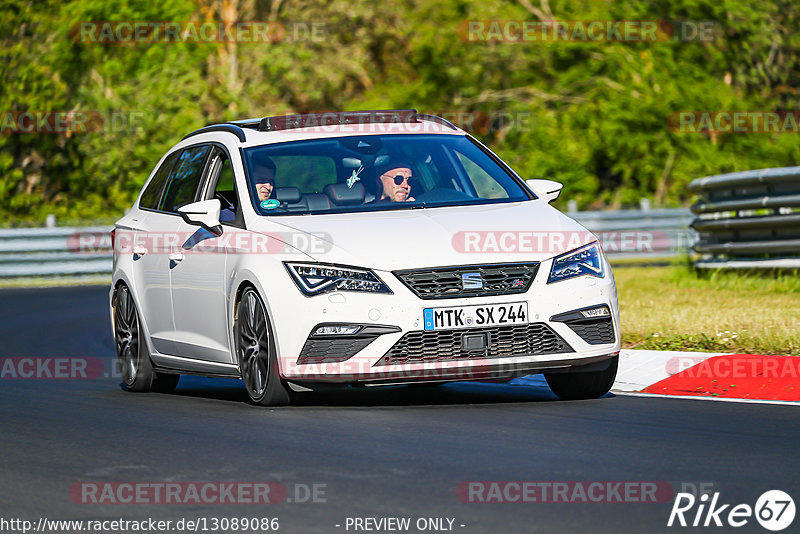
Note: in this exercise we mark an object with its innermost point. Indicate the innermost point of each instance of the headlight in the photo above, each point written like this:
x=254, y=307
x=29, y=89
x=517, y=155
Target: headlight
x=586, y=260
x=316, y=279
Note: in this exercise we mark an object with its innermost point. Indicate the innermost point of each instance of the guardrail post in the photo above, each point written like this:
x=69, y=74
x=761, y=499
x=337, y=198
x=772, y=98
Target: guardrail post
x=50, y=221
x=572, y=206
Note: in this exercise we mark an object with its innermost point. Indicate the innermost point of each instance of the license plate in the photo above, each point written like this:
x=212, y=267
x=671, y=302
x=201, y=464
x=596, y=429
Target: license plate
x=473, y=316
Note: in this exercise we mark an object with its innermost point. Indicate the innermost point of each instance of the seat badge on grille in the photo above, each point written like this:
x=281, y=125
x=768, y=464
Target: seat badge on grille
x=471, y=281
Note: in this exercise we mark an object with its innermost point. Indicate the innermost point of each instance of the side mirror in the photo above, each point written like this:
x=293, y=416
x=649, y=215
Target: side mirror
x=547, y=190
x=204, y=213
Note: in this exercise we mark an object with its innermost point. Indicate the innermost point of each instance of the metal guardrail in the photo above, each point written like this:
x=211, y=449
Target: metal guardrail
x=748, y=219
x=53, y=252
x=640, y=234
x=45, y=252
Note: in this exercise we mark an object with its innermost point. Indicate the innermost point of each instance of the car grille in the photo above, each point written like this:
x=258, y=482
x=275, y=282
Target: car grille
x=594, y=332
x=504, y=342
x=331, y=350
x=446, y=282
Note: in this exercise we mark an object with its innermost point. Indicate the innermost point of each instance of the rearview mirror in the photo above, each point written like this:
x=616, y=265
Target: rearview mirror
x=204, y=213
x=547, y=190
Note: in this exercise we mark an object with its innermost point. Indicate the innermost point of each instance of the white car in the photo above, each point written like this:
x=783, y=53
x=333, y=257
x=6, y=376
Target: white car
x=359, y=248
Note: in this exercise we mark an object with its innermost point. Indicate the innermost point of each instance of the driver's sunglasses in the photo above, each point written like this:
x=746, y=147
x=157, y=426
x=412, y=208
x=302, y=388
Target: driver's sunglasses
x=400, y=178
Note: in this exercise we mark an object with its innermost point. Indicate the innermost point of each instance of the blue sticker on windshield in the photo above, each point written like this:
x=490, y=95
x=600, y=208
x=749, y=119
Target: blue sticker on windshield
x=270, y=204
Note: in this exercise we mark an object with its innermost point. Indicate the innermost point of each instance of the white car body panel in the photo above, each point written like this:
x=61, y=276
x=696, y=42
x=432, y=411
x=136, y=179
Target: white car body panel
x=407, y=239
x=198, y=283
x=151, y=275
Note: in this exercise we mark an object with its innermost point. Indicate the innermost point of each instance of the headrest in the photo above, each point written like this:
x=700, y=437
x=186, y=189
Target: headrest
x=290, y=195
x=341, y=195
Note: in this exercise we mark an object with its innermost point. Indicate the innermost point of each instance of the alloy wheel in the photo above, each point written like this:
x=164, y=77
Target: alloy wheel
x=253, y=344
x=126, y=334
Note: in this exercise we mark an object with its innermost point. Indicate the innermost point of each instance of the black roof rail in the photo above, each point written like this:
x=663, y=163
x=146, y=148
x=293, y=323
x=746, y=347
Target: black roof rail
x=311, y=120
x=336, y=118
x=436, y=118
x=247, y=123
x=225, y=127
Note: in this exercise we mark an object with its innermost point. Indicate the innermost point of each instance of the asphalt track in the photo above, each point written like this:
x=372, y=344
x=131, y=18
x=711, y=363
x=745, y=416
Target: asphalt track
x=399, y=452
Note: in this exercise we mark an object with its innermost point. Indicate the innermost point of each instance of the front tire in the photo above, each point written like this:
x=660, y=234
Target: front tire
x=583, y=384
x=256, y=352
x=132, y=357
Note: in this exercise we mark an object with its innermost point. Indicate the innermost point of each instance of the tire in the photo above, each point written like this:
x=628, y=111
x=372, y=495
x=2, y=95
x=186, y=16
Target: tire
x=256, y=352
x=133, y=359
x=165, y=382
x=583, y=384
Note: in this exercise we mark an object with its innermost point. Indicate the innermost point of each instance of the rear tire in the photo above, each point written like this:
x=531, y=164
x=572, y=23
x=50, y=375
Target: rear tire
x=256, y=352
x=134, y=362
x=583, y=384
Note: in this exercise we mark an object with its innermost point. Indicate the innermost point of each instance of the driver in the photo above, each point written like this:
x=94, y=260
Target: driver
x=394, y=182
x=264, y=178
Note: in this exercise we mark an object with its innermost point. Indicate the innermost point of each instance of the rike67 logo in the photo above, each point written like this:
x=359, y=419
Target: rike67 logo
x=774, y=510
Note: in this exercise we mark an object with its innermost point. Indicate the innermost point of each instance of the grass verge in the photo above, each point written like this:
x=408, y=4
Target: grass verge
x=675, y=308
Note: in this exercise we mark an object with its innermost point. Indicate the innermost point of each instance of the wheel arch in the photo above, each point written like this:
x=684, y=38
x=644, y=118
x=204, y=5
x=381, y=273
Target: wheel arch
x=241, y=285
x=118, y=281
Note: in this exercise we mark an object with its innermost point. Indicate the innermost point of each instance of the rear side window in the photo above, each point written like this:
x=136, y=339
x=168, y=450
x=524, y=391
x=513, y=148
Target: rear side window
x=152, y=193
x=185, y=179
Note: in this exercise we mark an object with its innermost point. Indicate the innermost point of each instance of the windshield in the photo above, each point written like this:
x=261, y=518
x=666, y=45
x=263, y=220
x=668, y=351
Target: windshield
x=375, y=172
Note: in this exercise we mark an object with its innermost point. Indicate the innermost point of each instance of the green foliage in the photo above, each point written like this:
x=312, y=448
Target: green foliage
x=590, y=114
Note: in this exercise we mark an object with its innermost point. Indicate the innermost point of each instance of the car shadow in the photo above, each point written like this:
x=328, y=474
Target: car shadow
x=531, y=388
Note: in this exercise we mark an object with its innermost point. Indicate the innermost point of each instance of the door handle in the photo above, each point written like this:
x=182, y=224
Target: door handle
x=139, y=250
x=176, y=257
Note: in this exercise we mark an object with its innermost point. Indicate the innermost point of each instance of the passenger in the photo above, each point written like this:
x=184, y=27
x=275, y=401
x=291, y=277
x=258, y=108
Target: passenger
x=264, y=179
x=393, y=182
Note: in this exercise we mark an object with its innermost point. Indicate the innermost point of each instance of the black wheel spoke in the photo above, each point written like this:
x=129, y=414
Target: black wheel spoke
x=131, y=319
x=256, y=372
x=119, y=315
x=251, y=310
x=248, y=338
x=260, y=323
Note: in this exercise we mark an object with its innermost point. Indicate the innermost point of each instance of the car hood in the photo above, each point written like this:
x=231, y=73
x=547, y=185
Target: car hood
x=414, y=238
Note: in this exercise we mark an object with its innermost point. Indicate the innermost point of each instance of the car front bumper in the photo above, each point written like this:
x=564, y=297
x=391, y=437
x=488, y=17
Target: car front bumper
x=402, y=312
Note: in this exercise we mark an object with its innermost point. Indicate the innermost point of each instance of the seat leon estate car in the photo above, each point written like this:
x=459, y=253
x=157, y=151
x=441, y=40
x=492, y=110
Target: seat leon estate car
x=345, y=249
